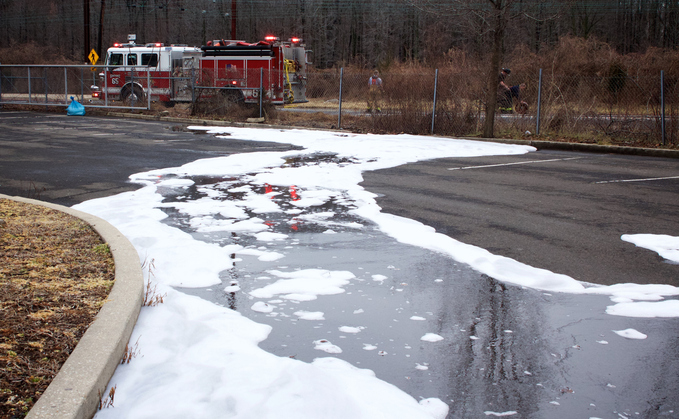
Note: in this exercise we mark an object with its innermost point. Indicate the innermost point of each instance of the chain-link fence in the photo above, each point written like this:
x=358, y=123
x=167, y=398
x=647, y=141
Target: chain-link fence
x=616, y=108
x=46, y=85
x=402, y=102
x=627, y=109
x=222, y=91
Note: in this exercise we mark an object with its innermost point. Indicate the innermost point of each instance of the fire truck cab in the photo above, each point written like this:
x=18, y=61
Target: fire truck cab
x=133, y=71
x=179, y=73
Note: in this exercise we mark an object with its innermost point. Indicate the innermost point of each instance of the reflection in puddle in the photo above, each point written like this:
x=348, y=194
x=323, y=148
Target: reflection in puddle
x=333, y=285
x=342, y=288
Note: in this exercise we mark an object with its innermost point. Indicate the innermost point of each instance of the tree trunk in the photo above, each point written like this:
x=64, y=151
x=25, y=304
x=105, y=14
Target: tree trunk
x=494, y=70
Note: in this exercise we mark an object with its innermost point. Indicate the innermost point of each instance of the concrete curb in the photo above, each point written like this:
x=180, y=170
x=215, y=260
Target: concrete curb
x=540, y=145
x=77, y=389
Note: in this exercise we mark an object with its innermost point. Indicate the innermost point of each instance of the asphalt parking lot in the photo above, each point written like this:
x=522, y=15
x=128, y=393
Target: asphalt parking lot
x=558, y=210
x=542, y=354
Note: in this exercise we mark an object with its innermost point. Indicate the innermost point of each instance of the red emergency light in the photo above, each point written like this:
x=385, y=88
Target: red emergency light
x=234, y=82
x=295, y=40
x=117, y=45
x=95, y=94
x=271, y=38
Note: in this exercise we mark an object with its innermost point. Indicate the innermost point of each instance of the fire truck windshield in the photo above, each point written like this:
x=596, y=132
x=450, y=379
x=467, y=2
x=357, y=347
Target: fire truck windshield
x=115, y=59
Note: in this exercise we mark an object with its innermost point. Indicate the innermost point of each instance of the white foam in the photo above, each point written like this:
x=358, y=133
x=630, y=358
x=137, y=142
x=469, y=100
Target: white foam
x=431, y=337
x=630, y=334
x=665, y=245
x=202, y=360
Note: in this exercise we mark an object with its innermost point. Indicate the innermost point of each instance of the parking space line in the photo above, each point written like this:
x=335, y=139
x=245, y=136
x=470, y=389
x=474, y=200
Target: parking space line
x=638, y=180
x=512, y=164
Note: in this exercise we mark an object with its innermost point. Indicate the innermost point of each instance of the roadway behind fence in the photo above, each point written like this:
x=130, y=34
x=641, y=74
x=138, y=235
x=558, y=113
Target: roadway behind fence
x=620, y=108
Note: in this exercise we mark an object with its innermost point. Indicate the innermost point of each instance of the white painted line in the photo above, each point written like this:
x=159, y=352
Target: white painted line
x=638, y=180
x=511, y=164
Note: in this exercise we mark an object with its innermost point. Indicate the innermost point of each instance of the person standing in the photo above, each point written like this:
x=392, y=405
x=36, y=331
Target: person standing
x=374, y=92
x=504, y=94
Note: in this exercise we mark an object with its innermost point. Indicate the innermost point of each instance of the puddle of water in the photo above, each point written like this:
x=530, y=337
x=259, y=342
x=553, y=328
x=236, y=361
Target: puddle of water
x=487, y=346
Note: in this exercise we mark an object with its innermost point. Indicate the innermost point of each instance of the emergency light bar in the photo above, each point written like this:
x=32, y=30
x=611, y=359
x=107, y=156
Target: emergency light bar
x=271, y=38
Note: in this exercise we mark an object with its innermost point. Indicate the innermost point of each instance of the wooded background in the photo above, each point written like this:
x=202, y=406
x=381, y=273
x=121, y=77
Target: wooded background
x=367, y=33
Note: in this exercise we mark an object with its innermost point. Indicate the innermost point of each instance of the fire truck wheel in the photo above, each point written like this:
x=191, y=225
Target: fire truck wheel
x=132, y=94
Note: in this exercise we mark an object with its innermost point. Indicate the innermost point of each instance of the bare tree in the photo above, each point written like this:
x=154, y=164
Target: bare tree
x=489, y=20
x=364, y=32
x=498, y=18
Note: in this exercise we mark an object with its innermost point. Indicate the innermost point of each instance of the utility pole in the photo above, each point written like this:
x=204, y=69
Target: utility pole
x=86, y=28
x=233, y=19
x=101, y=29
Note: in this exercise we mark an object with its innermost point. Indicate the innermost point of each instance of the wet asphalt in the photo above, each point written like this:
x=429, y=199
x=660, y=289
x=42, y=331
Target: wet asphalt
x=68, y=160
x=505, y=348
x=561, y=211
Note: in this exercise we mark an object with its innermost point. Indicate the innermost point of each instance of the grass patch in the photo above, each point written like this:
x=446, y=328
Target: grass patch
x=55, y=273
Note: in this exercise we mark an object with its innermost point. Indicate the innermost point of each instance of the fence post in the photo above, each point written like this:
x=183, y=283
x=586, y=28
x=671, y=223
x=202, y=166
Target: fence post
x=261, y=89
x=662, y=105
x=148, y=89
x=193, y=87
x=537, y=117
x=29, y=84
x=106, y=86
x=44, y=81
x=433, y=112
x=133, y=97
x=339, y=113
x=65, y=85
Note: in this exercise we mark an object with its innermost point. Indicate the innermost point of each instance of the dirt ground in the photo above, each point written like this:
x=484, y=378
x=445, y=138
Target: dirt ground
x=55, y=274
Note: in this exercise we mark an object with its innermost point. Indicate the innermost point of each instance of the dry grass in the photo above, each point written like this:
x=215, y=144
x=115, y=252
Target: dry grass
x=34, y=53
x=55, y=274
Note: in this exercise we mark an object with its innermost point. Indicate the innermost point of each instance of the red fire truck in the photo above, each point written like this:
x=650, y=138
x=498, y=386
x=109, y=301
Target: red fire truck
x=179, y=73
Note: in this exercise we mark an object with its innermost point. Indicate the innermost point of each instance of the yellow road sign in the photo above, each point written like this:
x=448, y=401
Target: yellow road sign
x=93, y=57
